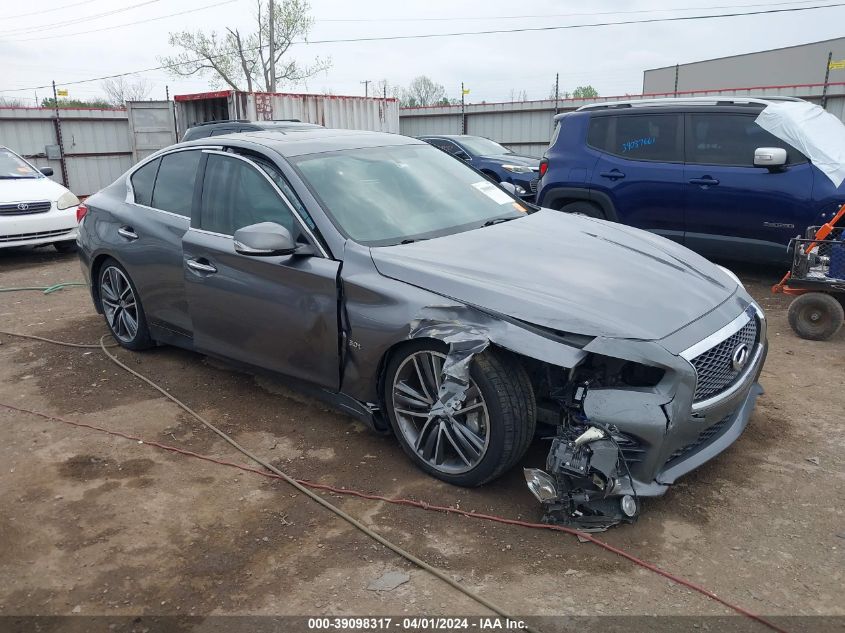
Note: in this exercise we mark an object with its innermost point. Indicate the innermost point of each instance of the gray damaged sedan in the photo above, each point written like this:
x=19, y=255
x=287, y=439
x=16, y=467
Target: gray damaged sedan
x=401, y=285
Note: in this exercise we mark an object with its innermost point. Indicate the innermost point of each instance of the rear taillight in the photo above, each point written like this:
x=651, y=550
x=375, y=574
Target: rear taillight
x=81, y=210
x=544, y=167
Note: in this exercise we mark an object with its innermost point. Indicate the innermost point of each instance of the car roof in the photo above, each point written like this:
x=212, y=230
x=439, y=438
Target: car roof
x=300, y=141
x=455, y=137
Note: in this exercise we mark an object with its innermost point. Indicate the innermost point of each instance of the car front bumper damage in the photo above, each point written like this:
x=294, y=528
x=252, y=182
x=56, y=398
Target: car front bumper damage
x=616, y=446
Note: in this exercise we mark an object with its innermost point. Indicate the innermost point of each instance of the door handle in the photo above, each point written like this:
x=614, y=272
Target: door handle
x=613, y=174
x=202, y=266
x=706, y=181
x=128, y=232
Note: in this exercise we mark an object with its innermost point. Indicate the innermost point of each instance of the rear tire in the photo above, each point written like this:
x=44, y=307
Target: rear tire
x=816, y=316
x=499, y=396
x=584, y=208
x=122, y=307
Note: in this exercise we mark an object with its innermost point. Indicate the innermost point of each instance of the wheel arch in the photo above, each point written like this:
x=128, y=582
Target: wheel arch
x=561, y=196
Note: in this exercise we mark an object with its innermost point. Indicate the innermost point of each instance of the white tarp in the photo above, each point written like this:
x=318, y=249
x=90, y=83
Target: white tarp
x=817, y=134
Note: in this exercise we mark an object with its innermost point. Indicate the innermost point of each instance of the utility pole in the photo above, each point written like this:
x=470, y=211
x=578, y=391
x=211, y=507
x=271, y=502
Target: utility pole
x=366, y=83
x=58, y=125
x=385, y=91
x=557, y=90
x=826, y=79
x=677, y=71
x=272, y=43
x=463, y=110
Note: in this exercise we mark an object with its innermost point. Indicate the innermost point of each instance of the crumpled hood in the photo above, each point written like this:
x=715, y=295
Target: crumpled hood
x=29, y=190
x=568, y=273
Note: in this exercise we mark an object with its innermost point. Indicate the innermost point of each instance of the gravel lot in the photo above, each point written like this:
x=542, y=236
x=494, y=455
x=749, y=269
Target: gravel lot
x=95, y=524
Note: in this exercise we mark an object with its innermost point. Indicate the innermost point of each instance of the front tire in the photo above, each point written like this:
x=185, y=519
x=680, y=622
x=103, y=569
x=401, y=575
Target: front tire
x=122, y=307
x=816, y=316
x=484, y=438
x=584, y=208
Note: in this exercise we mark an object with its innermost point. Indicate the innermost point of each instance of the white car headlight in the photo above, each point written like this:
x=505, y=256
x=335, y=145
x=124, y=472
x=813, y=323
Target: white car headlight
x=732, y=275
x=518, y=169
x=67, y=200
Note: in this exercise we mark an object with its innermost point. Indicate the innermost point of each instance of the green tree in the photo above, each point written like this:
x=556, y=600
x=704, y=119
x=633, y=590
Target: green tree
x=585, y=92
x=49, y=102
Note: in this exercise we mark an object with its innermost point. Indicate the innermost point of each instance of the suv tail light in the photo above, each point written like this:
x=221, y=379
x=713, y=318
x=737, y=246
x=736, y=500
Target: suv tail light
x=81, y=210
x=544, y=167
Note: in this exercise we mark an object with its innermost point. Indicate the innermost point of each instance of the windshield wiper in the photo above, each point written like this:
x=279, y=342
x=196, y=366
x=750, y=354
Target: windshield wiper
x=497, y=221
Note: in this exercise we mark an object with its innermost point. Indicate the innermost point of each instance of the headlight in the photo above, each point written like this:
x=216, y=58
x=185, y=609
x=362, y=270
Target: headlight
x=517, y=169
x=67, y=200
x=732, y=275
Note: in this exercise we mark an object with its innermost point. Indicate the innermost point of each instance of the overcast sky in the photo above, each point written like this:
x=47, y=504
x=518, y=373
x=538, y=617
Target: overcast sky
x=35, y=49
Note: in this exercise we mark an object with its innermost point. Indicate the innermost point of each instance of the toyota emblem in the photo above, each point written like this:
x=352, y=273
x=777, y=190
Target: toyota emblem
x=23, y=206
x=739, y=357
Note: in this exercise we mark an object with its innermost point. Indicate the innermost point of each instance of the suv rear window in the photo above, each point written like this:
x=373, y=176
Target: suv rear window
x=730, y=139
x=638, y=136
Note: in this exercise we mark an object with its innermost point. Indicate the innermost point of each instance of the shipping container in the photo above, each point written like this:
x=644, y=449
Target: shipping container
x=334, y=111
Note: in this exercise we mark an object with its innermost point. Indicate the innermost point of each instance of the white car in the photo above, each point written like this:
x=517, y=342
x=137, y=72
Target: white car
x=34, y=210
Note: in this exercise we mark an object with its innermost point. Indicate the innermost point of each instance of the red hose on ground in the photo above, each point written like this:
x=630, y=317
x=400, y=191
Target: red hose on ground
x=423, y=505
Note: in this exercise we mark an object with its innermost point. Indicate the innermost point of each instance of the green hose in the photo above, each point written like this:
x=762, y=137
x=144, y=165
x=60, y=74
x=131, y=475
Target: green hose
x=46, y=289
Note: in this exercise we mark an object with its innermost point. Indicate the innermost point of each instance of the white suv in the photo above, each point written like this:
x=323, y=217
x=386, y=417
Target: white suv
x=34, y=210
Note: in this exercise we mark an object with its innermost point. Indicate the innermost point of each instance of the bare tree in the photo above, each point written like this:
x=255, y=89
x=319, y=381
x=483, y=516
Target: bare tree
x=120, y=90
x=422, y=91
x=11, y=102
x=518, y=95
x=252, y=60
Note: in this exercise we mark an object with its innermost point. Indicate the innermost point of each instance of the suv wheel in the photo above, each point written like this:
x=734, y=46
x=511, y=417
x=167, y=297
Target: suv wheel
x=487, y=435
x=584, y=208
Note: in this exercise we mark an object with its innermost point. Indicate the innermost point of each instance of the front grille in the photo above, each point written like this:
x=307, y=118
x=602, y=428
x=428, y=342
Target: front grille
x=25, y=208
x=704, y=438
x=32, y=236
x=533, y=185
x=714, y=368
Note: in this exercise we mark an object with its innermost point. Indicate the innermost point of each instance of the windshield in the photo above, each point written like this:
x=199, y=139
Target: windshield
x=483, y=146
x=13, y=166
x=390, y=195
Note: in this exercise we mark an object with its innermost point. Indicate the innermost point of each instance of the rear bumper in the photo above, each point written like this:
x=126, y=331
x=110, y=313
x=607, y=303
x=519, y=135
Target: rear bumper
x=40, y=228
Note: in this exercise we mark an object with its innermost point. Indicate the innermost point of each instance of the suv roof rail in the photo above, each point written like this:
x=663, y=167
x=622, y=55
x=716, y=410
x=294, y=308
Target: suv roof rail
x=284, y=121
x=221, y=121
x=682, y=101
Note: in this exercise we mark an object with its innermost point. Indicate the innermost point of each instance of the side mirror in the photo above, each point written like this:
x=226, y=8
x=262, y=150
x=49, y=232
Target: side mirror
x=47, y=171
x=509, y=187
x=265, y=239
x=462, y=155
x=769, y=157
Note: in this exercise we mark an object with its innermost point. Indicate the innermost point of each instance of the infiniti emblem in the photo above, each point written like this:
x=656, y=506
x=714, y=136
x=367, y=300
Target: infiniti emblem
x=23, y=206
x=739, y=357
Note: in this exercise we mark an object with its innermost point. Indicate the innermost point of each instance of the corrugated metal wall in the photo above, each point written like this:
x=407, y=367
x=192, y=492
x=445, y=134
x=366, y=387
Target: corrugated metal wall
x=526, y=127
x=355, y=113
x=97, y=144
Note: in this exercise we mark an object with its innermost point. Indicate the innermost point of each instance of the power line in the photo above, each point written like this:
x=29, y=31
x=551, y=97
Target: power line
x=687, y=18
x=66, y=6
x=63, y=23
x=120, y=26
x=560, y=15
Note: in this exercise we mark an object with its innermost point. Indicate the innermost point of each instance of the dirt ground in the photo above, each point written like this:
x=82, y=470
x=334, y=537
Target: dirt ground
x=95, y=524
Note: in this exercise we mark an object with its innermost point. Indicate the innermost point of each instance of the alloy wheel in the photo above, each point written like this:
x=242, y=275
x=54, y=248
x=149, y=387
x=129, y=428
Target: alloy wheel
x=119, y=304
x=450, y=442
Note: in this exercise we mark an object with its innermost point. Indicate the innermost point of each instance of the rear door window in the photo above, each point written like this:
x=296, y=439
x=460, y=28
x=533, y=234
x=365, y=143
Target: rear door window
x=143, y=181
x=653, y=137
x=730, y=139
x=174, y=185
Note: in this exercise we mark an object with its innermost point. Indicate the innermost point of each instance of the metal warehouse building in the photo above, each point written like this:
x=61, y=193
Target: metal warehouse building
x=780, y=67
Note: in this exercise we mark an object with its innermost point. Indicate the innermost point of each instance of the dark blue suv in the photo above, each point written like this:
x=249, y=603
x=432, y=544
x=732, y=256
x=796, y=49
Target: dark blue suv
x=690, y=170
x=494, y=160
